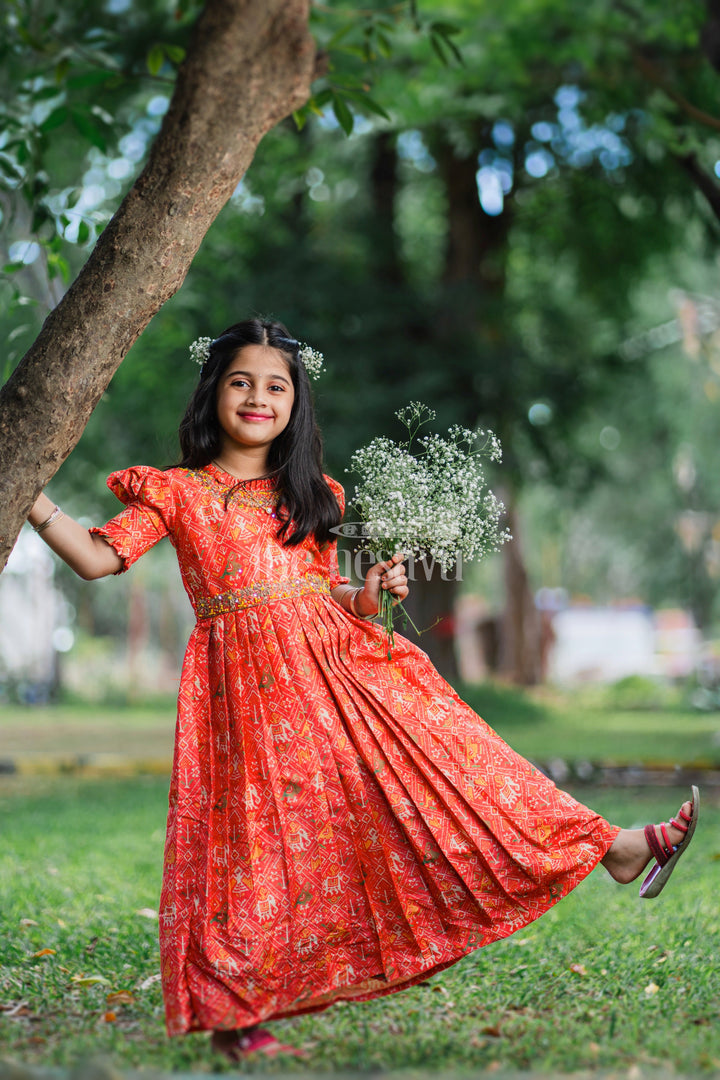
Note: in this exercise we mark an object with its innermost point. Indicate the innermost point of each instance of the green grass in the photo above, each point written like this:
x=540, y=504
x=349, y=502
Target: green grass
x=604, y=981
x=578, y=727
x=542, y=726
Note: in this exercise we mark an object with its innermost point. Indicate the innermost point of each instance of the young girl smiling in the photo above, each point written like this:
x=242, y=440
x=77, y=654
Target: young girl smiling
x=341, y=825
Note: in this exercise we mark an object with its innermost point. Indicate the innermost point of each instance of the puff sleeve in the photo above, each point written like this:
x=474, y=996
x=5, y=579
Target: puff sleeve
x=148, y=517
x=329, y=557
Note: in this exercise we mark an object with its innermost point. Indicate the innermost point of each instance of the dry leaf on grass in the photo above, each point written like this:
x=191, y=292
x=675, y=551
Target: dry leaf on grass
x=120, y=997
x=578, y=969
x=89, y=980
x=44, y=952
x=150, y=981
x=493, y=1030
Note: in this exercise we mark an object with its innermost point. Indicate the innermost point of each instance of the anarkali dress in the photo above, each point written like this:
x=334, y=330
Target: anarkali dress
x=341, y=825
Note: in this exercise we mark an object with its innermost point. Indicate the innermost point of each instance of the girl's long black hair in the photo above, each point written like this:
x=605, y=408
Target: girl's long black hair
x=295, y=457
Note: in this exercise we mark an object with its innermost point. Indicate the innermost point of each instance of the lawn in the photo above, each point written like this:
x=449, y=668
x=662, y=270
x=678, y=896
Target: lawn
x=541, y=726
x=604, y=981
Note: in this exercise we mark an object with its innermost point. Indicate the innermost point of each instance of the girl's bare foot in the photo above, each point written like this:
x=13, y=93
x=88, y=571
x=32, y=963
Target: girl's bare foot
x=630, y=852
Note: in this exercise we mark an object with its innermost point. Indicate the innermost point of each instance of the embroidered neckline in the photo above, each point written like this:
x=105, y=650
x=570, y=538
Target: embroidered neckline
x=259, y=494
x=226, y=479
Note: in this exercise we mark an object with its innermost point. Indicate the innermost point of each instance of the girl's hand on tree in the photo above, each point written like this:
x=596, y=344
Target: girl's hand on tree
x=388, y=575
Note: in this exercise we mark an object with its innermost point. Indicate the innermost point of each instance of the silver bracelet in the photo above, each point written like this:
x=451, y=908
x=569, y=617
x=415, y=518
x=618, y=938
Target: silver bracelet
x=55, y=516
x=354, y=610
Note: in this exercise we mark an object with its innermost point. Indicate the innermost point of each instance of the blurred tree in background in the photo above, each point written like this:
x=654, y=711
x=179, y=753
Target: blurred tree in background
x=502, y=244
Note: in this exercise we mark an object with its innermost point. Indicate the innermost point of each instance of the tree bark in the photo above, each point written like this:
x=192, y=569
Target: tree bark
x=251, y=64
x=520, y=645
x=384, y=188
x=431, y=606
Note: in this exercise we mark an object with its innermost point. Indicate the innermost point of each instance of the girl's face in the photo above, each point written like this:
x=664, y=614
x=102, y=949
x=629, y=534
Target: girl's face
x=255, y=396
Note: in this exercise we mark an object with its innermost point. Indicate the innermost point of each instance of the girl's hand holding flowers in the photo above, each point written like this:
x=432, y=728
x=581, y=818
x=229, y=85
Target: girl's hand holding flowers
x=388, y=576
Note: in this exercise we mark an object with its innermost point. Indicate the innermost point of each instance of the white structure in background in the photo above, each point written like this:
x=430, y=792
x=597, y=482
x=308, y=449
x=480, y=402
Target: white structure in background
x=603, y=644
x=31, y=613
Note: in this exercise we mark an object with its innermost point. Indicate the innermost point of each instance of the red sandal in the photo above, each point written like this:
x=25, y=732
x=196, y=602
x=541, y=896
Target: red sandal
x=666, y=853
x=254, y=1040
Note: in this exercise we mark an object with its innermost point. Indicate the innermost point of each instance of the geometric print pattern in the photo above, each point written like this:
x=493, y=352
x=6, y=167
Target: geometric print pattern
x=340, y=825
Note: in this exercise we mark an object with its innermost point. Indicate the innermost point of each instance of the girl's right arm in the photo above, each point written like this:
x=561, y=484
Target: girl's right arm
x=89, y=555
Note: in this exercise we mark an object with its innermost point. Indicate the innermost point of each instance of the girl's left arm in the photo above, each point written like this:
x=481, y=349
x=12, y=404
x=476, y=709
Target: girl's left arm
x=389, y=575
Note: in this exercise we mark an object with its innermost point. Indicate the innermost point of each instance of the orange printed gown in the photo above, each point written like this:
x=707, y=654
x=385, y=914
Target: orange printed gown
x=340, y=826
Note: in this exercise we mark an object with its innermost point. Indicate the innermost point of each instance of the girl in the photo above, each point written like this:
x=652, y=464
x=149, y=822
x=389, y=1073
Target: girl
x=341, y=826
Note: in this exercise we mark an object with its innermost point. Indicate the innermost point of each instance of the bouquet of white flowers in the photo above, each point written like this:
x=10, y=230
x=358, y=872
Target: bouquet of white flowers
x=433, y=504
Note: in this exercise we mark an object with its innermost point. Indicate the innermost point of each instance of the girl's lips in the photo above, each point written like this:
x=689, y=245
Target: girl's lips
x=254, y=416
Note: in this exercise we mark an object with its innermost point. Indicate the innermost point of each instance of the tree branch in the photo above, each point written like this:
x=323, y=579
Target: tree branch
x=652, y=73
x=702, y=180
x=251, y=64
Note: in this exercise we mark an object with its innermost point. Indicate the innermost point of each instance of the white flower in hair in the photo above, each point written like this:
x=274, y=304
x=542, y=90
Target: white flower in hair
x=200, y=350
x=313, y=361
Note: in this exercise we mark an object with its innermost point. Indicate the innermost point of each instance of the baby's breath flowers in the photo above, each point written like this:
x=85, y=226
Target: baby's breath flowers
x=313, y=361
x=200, y=350
x=434, y=503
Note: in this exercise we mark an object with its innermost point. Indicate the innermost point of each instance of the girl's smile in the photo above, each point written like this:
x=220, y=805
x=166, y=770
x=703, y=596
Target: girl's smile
x=255, y=398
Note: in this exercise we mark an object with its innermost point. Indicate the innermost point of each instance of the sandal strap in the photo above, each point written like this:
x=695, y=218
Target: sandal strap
x=669, y=846
x=655, y=846
x=678, y=824
x=684, y=816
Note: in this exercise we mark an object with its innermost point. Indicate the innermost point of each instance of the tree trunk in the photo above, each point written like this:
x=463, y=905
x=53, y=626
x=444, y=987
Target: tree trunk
x=520, y=646
x=251, y=63
x=383, y=186
x=431, y=607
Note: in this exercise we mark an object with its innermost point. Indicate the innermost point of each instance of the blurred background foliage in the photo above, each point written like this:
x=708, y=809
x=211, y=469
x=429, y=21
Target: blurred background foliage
x=520, y=230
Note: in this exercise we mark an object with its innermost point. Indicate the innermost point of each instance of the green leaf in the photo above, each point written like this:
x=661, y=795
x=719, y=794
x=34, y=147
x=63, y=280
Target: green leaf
x=343, y=115
x=339, y=35
x=175, y=53
x=57, y=264
x=83, y=233
x=445, y=29
x=12, y=267
x=10, y=169
x=354, y=50
x=55, y=119
x=155, y=59
x=89, y=129
x=454, y=50
x=46, y=92
x=61, y=69
x=90, y=78
x=323, y=98
x=41, y=215
x=300, y=117
x=437, y=44
x=384, y=45
x=364, y=101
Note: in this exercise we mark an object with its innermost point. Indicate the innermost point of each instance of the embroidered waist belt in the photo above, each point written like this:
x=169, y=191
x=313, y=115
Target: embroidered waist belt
x=260, y=592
